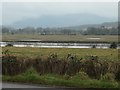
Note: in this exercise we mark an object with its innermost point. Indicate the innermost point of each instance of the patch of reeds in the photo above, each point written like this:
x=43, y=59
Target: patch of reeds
x=13, y=65
x=71, y=65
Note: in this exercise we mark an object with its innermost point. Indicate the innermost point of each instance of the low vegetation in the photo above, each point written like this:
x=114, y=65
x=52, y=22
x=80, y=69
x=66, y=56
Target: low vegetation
x=78, y=80
x=103, y=54
x=70, y=70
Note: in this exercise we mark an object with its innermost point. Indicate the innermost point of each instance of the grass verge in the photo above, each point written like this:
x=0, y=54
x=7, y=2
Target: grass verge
x=31, y=76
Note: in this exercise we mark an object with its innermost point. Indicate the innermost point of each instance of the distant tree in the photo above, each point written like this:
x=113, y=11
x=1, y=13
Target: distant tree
x=66, y=31
x=113, y=45
x=9, y=45
x=94, y=46
x=5, y=30
x=12, y=33
x=39, y=30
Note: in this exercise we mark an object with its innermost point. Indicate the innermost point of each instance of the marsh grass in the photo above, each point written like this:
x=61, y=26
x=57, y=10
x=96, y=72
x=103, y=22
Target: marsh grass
x=14, y=65
x=106, y=54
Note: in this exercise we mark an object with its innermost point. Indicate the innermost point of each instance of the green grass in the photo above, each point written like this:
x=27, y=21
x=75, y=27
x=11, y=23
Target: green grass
x=16, y=37
x=31, y=76
x=108, y=54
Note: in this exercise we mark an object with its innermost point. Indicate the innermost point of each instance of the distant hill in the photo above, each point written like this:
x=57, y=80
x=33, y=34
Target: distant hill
x=63, y=20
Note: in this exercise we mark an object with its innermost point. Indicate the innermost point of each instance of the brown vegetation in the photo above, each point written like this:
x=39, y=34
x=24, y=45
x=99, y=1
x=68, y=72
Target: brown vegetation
x=93, y=67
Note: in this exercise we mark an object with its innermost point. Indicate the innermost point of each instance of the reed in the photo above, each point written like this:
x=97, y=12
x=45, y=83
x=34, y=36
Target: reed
x=69, y=66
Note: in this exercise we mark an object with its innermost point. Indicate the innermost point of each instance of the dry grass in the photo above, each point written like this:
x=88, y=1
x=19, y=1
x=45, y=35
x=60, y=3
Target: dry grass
x=14, y=65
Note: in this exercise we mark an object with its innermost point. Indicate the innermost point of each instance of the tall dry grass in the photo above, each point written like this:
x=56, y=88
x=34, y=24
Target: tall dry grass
x=71, y=65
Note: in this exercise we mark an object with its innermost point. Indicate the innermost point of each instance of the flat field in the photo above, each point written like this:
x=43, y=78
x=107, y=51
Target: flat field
x=108, y=54
x=83, y=38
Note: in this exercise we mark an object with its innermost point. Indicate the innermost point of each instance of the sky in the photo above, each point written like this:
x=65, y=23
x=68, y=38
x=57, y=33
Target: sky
x=15, y=11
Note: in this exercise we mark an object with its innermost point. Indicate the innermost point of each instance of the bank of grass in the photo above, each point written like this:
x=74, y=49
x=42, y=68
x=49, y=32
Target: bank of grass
x=31, y=76
x=17, y=37
x=107, y=54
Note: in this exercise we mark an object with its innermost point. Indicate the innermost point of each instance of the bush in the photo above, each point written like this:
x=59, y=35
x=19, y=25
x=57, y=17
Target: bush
x=94, y=46
x=9, y=45
x=113, y=45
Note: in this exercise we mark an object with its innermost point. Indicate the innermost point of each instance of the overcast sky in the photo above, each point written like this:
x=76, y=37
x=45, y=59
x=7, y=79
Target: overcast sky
x=15, y=11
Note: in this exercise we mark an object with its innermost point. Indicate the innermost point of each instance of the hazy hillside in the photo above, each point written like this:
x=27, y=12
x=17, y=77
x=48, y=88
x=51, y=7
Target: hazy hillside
x=62, y=20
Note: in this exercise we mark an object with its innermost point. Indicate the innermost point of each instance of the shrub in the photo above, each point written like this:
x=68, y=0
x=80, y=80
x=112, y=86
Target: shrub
x=9, y=45
x=113, y=45
x=94, y=46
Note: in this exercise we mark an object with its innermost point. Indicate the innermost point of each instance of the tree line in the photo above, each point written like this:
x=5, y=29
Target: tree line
x=61, y=31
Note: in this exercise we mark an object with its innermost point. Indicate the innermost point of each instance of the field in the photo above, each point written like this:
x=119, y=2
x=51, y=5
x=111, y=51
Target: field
x=83, y=38
x=108, y=54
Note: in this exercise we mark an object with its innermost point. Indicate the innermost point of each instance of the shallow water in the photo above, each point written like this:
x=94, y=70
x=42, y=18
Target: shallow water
x=55, y=45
